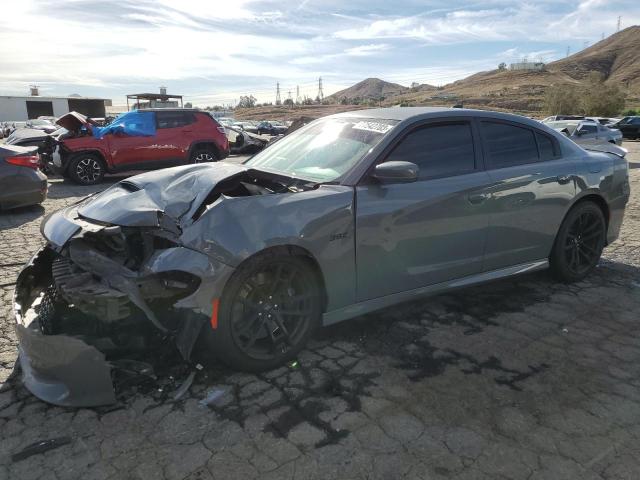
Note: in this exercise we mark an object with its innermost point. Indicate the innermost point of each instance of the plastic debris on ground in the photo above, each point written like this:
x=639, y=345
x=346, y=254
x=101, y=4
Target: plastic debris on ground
x=40, y=447
x=212, y=395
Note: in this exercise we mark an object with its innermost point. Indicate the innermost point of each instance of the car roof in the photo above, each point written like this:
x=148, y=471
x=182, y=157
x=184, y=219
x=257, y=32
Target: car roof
x=418, y=113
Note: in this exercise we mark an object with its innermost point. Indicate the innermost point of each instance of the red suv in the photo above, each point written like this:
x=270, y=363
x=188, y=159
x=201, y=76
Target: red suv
x=85, y=152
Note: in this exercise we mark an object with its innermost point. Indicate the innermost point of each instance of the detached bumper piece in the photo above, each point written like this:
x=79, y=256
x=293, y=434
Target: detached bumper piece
x=103, y=301
x=58, y=369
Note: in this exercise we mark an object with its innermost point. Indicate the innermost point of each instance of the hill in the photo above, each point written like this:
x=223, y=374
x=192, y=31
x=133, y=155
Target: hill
x=617, y=58
x=368, y=89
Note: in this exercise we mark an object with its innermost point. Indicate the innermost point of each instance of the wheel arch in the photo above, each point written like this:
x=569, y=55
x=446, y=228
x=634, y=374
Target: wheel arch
x=596, y=198
x=297, y=251
x=593, y=197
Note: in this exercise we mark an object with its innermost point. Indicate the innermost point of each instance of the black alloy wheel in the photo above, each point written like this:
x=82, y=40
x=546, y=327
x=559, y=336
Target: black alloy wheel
x=580, y=242
x=269, y=310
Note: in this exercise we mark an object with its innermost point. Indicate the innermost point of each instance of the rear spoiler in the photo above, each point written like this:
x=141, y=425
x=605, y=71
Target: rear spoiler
x=607, y=148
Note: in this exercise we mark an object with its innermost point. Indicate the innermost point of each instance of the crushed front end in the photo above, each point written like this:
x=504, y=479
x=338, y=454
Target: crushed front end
x=98, y=297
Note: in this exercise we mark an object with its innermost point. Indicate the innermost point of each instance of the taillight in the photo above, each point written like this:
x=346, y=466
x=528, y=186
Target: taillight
x=31, y=161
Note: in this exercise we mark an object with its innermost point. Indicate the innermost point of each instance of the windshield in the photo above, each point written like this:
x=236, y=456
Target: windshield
x=325, y=150
x=570, y=126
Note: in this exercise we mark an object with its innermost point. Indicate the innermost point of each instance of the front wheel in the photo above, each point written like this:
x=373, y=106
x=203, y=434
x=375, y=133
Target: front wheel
x=269, y=310
x=579, y=242
x=86, y=169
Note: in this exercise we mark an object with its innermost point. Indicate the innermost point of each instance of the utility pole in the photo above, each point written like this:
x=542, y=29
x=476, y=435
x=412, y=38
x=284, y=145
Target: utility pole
x=278, y=100
x=320, y=92
x=602, y=36
x=619, y=22
x=568, y=50
x=297, y=93
x=289, y=97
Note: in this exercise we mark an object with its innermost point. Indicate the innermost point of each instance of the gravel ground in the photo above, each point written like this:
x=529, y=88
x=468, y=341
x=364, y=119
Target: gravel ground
x=520, y=379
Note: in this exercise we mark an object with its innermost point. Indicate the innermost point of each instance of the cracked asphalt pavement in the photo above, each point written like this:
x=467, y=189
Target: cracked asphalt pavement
x=520, y=379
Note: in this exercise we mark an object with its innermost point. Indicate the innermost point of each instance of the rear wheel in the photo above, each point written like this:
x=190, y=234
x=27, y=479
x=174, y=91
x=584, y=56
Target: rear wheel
x=579, y=242
x=86, y=169
x=203, y=155
x=270, y=308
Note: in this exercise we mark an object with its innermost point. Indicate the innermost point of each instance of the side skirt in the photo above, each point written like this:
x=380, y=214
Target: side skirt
x=367, y=306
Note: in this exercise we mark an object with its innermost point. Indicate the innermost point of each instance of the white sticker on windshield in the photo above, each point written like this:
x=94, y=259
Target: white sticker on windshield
x=373, y=127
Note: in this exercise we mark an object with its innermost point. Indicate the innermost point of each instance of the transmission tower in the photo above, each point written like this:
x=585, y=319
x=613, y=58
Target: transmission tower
x=619, y=22
x=568, y=50
x=602, y=36
x=320, y=92
x=278, y=100
x=297, y=93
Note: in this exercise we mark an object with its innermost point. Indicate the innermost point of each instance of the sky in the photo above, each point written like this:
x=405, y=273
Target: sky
x=214, y=51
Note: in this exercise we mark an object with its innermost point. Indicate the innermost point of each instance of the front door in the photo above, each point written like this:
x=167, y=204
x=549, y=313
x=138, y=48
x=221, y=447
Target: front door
x=410, y=235
x=533, y=188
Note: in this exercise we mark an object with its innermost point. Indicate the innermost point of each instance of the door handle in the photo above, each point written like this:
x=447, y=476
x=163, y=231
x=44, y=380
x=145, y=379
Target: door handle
x=477, y=198
x=563, y=179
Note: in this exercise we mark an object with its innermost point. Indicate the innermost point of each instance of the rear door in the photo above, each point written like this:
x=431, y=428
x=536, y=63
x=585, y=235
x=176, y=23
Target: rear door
x=533, y=188
x=175, y=134
x=410, y=235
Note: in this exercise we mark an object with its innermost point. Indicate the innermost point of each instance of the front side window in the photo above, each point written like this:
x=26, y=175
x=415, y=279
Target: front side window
x=324, y=150
x=508, y=145
x=438, y=150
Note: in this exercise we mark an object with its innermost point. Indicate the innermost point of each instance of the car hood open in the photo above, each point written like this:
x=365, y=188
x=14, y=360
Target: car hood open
x=73, y=121
x=164, y=198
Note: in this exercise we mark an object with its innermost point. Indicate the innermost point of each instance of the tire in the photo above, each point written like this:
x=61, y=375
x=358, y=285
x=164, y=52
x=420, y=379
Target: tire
x=579, y=243
x=203, y=155
x=254, y=333
x=86, y=169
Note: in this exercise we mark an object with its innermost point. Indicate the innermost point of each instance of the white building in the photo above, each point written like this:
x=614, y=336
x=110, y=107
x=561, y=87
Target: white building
x=524, y=65
x=19, y=109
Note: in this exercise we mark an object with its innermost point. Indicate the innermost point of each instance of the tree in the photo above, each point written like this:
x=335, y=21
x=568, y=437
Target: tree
x=502, y=66
x=631, y=113
x=600, y=99
x=562, y=99
x=188, y=105
x=247, y=101
x=288, y=101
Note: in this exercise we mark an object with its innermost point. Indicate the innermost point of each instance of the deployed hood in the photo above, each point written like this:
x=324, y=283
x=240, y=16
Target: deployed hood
x=73, y=121
x=164, y=198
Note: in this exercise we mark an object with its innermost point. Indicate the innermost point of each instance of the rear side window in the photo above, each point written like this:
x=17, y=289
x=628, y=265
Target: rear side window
x=547, y=147
x=174, y=119
x=438, y=150
x=508, y=145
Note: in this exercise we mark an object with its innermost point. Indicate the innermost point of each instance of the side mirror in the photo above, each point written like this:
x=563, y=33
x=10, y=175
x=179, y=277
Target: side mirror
x=396, y=172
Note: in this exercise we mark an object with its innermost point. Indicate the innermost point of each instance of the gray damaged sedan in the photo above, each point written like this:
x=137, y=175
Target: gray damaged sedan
x=351, y=213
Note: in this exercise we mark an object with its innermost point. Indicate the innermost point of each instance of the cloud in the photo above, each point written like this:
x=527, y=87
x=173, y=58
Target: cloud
x=212, y=52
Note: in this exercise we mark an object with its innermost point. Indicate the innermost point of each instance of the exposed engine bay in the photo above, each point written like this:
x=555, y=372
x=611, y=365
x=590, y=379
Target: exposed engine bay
x=107, y=289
